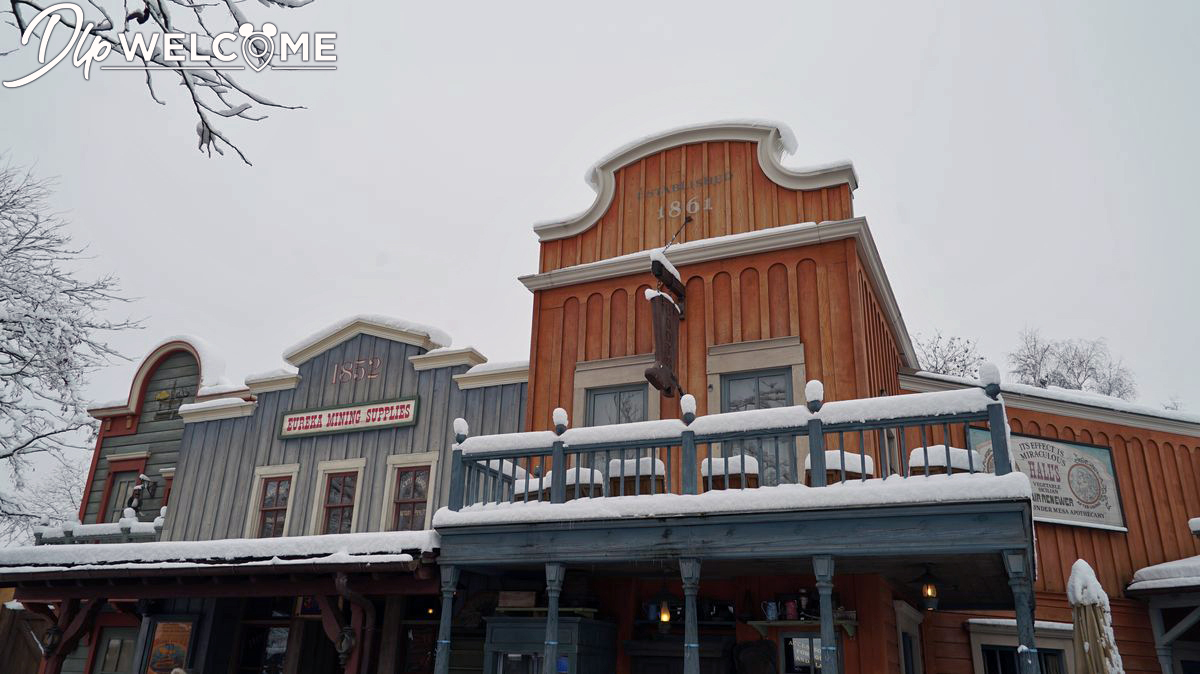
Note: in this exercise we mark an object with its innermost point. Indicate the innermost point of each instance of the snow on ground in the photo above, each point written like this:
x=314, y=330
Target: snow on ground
x=894, y=490
x=230, y=550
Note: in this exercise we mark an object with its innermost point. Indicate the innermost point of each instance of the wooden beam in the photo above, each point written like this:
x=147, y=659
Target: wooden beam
x=226, y=587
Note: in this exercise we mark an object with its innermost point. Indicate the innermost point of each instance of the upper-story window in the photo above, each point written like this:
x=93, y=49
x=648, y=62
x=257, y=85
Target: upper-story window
x=340, y=491
x=118, y=494
x=411, y=498
x=616, y=405
x=273, y=507
x=760, y=390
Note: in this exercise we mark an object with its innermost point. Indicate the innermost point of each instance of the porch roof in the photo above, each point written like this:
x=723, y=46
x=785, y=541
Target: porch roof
x=1180, y=575
x=244, y=555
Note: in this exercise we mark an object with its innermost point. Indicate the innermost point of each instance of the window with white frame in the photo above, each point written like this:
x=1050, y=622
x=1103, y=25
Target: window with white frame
x=908, y=637
x=335, y=506
x=271, y=499
x=994, y=645
x=408, y=494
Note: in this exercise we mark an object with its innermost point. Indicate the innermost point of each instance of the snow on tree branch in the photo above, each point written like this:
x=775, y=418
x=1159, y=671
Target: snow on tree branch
x=51, y=328
x=956, y=356
x=214, y=93
x=1079, y=364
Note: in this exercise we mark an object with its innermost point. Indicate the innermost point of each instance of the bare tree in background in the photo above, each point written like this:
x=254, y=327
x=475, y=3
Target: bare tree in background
x=1173, y=404
x=51, y=332
x=215, y=94
x=956, y=356
x=54, y=498
x=1079, y=364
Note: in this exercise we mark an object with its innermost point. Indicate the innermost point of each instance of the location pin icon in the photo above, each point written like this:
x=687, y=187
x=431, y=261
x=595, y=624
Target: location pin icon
x=258, y=47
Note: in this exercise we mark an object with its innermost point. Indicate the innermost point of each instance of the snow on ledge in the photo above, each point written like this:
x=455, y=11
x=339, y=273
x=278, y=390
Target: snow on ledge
x=1177, y=574
x=497, y=366
x=1011, y=622
x=1194, y=525
x=435, y=335
x=894, y=490
x=231, y=550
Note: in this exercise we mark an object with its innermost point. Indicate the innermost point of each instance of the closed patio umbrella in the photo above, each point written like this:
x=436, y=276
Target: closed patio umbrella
x=1095, y=645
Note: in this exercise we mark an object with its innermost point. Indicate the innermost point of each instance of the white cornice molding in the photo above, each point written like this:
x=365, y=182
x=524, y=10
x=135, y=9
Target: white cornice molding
x=748, y=243
x=225, y=408
x=769, y=137
x=918, y=384
x=273, y=382
x=437, y=358
x=517, y=374
x=360, y=325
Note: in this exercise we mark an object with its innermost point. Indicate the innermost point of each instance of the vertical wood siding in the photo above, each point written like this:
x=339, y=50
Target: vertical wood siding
x=218, y=458
x=744, y=200
x=177, y=370
x=816, y=292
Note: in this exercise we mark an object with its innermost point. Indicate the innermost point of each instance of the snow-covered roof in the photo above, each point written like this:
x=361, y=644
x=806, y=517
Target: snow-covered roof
x=1073, y=397
x=379, y=325
x=894, y=490
x=336, y=548
x=1181, y=573
x=210, y=362
x=773, y=139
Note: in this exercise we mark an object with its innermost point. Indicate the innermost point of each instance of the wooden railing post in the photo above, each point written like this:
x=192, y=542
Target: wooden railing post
x=998, y=425
x=687, y=464
x=457, y=476
x=816, y=453
x=558, y=473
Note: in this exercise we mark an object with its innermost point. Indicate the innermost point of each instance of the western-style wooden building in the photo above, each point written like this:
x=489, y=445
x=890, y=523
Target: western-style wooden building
x=800, y=498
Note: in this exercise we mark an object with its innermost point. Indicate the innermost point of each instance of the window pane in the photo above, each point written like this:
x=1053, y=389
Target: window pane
x=334, y=496
x=418, y=518
x=743, y=395
x=112, y=653
x=632, y=407
x=772, y=391
x=333, y=520
x=267, y=530
x=405, y=490
x=421, y=484
x=269, y=494
x=604, y=409
x=285, y=486
x=348, y=490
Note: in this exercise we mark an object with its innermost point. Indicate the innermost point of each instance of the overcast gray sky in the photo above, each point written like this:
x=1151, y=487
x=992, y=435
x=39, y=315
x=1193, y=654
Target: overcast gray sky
x=1019, y=164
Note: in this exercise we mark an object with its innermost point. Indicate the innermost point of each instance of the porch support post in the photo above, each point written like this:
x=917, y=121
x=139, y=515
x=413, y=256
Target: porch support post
x=823, y=570
x=1162, y=647
x=689, y=570
x=449, y=582
x=554, y=583
x=1020, y=579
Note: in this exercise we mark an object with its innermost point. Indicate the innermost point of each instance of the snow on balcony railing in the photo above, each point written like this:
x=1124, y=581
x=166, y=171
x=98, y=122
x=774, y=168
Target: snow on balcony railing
x=125, y=530
x=814, y=444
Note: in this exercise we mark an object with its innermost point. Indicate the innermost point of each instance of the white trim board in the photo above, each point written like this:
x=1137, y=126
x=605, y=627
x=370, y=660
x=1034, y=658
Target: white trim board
x=919, y=384
x=517, y=374
x=769, y=137
x=749, y=243
x=437, y=358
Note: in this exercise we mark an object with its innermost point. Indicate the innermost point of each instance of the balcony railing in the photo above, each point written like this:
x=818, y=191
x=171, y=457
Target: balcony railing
x=906, y=435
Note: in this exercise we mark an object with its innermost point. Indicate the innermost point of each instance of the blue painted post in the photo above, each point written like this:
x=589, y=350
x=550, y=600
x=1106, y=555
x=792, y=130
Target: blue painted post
x=823, y=570
x=1021, y=582
x=689, y=570
x=688, y=463
x=456, y=479
x=998, y=425
x=449, y=583
x=554, y=583
x=816, y=453
x=558, y=473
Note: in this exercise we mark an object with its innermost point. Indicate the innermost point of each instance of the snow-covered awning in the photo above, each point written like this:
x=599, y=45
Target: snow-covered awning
x=1179, y=575
x=248, y=554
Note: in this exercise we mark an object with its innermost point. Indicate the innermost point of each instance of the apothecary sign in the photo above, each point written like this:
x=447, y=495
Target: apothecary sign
x=1072, y=483
x=344, y=418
